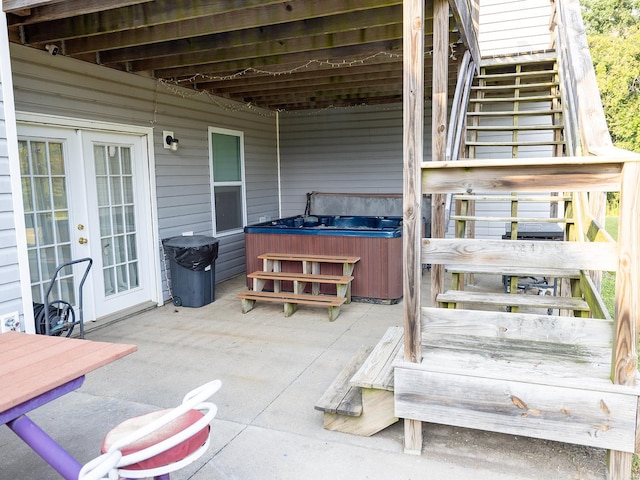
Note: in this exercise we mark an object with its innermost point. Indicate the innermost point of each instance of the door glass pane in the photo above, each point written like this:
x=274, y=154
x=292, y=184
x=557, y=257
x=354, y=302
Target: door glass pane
x=114, y=184
x=39, y=158
x=55, y=159
x=102, y=188
x=42, y=193
x=46, y=207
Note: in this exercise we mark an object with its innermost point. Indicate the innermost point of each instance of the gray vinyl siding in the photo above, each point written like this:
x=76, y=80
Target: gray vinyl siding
x=10, y=292
x=355, y=150
x=514, y=26
x=69, y=88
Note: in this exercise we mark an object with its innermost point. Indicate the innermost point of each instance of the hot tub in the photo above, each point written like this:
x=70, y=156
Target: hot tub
x=376, y=240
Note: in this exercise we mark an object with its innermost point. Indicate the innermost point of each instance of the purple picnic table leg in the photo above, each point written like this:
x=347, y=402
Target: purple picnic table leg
x=46, y=447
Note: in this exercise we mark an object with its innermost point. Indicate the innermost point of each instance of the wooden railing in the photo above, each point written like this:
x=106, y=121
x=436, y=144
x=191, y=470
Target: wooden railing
x=458, y=117
x=467, y=16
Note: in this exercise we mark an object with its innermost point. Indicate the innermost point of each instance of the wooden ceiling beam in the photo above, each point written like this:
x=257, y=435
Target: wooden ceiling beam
x=273, y=63
x=309, y=45
x=184, y=18
x=327, y=25
x=284, y=83
x=381, y=86
x=390, y=84
x=296, y=105
x=370, y=73
x=67, y=9
x=16, y=5
x=291, y=103
x=146, y=14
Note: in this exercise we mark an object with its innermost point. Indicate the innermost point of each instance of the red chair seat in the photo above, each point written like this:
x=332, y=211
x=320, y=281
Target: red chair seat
x=172, y=455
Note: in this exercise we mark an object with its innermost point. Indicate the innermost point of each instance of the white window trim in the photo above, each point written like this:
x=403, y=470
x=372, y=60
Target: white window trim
x=243, y=187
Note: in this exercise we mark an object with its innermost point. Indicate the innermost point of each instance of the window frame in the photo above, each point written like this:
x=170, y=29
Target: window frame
x=242, y=182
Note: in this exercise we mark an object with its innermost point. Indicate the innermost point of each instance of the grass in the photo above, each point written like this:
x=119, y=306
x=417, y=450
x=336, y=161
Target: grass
x=608, y=289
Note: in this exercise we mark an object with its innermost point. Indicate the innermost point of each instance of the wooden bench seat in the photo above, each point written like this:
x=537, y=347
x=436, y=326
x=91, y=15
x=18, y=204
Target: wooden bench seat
x=459, y=297
x=291, y=301
x=360, y=399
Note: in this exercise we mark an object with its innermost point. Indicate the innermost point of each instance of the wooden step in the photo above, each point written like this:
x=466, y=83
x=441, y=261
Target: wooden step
x=514, y=271
x=288, y=257
x=532, y=98
x=512, y=86
x=518, y=128
x=515, y=144
x=373, y=380
x=341, y=397
x=291, y=301
x=377, y=371
x=458, y=297
x=488, y=76
x=547, y=57
x=513, y=198
x=511, y=113
x=300, y=281
x=304, y=277
x=469, y=218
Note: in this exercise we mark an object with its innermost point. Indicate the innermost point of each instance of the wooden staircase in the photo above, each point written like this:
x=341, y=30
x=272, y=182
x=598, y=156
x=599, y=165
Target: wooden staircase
x=514, y=112
x=515, y=109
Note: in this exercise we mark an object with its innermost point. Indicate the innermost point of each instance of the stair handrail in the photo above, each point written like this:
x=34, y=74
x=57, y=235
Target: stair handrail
x=586, y=129
x=458, y=117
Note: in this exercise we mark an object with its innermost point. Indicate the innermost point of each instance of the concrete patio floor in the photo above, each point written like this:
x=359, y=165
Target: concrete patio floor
x=273, y=370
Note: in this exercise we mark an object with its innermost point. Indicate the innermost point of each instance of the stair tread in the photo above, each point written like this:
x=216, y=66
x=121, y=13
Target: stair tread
x=515, y=271
x=377, y=370
x=512, y=198
x=513, y=299
x=287, y=297
x=341, y=397
x=519, y=113
x=512, y=86
x=305, y=277
x=516, y=144
x=499, y=128
x=477, y=218
x=531, y=98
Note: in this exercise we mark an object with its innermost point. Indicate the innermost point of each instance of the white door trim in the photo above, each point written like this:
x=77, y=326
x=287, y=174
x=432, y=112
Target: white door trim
x=147, y=132
x=8, y=105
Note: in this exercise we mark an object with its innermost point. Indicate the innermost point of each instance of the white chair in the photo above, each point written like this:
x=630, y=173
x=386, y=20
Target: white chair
x=155, y=444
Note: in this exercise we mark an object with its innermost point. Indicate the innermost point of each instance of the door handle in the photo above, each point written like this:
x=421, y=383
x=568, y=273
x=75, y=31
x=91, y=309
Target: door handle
x=82, y=240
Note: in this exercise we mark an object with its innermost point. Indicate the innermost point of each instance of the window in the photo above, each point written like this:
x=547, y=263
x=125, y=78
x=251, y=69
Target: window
x=227, y=180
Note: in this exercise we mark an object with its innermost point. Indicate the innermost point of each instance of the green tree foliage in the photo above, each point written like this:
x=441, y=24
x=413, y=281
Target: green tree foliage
x=613, y=30
x=610, y=16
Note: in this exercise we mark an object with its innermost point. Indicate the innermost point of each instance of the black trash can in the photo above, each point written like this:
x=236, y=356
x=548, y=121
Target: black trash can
x=193, y=269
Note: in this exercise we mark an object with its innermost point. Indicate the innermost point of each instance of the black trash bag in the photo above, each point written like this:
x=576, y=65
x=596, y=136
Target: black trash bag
x=195, y=252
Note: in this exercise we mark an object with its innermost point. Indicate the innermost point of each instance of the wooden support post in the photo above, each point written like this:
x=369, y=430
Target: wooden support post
x=625, y=357
x=439, y=127
x=413, y=133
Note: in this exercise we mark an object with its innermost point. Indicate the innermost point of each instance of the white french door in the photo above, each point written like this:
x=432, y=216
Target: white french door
x=86, y=194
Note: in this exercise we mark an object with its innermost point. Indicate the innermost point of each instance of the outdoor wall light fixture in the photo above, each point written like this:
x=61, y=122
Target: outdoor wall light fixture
x=170, y=142
x=52, y=49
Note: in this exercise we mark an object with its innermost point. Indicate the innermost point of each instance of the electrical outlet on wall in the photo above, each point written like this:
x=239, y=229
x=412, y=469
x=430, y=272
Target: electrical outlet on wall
x=10, y=321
